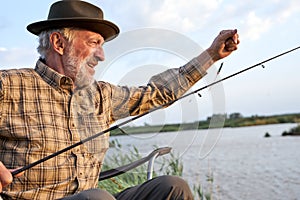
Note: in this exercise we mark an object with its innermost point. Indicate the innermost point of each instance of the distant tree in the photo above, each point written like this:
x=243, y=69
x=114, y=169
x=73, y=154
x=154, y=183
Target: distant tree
x=235, y=116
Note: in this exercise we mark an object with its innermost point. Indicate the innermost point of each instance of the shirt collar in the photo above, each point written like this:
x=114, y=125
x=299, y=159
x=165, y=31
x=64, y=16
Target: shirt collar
x=52, y=77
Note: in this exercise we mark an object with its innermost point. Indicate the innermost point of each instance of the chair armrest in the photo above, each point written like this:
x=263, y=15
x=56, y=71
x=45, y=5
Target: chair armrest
x=121, y=170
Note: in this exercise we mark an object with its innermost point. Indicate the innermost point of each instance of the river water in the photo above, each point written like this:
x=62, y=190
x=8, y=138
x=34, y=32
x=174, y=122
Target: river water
x=233, y=163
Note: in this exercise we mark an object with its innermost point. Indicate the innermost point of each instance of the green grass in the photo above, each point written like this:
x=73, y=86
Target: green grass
x=219, y=121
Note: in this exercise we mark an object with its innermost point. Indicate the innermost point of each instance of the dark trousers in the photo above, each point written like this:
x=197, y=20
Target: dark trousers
x=159, y=188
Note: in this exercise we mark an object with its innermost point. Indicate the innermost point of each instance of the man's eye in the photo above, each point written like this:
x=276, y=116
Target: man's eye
x=95, y=43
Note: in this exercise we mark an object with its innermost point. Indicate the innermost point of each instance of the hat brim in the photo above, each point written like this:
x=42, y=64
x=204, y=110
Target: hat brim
x=106, y=29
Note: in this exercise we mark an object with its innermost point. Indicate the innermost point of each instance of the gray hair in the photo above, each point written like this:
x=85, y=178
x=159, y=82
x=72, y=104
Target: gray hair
x=44, y=39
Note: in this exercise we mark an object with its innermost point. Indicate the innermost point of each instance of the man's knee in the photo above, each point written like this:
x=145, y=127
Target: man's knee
x=176, y=187
x=92, y=194
x=159, y=188
x=171, y=180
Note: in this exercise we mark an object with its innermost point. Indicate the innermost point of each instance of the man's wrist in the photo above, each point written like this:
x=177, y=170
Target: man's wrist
x=212, y=54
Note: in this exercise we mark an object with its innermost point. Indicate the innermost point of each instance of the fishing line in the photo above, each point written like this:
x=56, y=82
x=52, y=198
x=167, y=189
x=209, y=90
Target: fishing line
x=148, y=112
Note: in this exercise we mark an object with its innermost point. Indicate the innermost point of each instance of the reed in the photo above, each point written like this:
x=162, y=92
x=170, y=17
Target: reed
x=170, y=164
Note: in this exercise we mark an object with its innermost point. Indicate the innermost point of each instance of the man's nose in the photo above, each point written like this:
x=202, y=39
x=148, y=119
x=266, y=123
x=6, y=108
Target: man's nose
x=99, y=54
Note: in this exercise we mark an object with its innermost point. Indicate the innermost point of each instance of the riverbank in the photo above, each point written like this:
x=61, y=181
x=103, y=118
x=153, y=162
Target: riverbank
x=223, y=120
x=235, y=163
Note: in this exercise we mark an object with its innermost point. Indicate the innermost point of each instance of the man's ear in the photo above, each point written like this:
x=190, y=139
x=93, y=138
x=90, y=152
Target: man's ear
x=58, y=42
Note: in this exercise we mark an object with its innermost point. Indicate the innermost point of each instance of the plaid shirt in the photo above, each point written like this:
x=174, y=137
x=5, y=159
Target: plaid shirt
x=41, y=114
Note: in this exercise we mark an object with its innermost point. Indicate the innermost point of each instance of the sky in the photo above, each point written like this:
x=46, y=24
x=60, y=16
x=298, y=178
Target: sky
x=160, y=34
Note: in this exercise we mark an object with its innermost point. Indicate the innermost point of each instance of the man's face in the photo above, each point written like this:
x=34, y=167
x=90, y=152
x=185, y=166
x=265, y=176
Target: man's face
x=82, y=55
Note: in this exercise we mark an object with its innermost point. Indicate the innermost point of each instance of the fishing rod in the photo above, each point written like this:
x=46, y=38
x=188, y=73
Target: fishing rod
x=141, y=115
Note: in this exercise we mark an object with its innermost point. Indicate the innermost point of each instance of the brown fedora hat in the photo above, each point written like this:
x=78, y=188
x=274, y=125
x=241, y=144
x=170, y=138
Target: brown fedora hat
x=75, y=13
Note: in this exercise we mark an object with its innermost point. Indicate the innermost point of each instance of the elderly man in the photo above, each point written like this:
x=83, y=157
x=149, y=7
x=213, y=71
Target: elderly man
x=58, y=103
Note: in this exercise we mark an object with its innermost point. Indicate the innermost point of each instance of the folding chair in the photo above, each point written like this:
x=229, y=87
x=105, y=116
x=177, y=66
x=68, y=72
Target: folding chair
x=123, y=169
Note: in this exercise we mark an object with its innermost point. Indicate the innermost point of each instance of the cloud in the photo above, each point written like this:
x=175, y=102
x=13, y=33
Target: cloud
x=256, y=26
x=178, y=15
x=17, y=57
x=263, y=18
x=255, y=18
x=182, y=15
x=289, y=9
x=3, y=49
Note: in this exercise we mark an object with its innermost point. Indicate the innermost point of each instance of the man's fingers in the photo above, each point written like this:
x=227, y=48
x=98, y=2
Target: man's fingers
x=232, y=42
x=235, y=38
x=227, y=34
x=19, y=174
x=5, y=176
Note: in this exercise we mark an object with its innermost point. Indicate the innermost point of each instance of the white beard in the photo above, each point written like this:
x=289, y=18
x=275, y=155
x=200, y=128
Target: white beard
x=83, y=79
x=80, y=77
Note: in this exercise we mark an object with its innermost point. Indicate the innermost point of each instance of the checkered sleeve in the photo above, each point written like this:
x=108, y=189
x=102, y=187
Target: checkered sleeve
x=161, y=89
